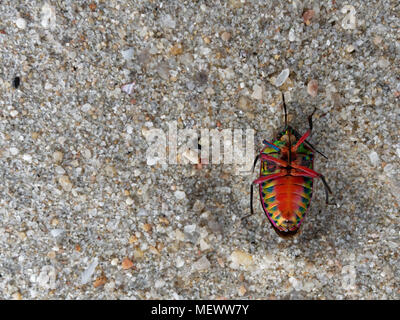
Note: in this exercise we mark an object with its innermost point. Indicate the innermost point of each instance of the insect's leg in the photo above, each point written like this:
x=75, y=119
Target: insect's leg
x=307, y=134
x=284, y=109
x=274, y=160
x=270, y=177
x=251, y=203
x=306, y=172
x=251, y=191
x=255, y=161
x=258, y=181
x=272, y=145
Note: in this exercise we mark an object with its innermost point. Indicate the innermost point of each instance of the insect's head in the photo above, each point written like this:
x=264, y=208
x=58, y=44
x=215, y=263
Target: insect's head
x=287, y=135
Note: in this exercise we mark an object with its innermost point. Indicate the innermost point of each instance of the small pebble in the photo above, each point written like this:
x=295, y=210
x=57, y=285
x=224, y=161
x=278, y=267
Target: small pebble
x=349, y=21
x=242, y=291
x=48, y=16
x=179, y=262
x=126, y=264
x=56, y=232
x=226, y=36
x=282, y=77
x=128, y=54
x=65, y=183
x=180, y=195
x=20, y=23
x=189, y=228
x=241, y=258
x=374, y=158
x=27, y=157
x=198, y=206
x=14, y=151
x=147, y=227
x=349, y=48
x=57, y=156
x=307, y=16
x=86, y=107
x=312, y=88
x=85, y=276
x=201, y=264
x=257, y=92
x=204, y=245
x=291, y=35
x=101, y=281
x=177, y=49
x=245, y=104
x=168, y=22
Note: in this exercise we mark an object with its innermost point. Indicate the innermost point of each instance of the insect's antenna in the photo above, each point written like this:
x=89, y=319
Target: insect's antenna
x=290, y=148
x=312, y=147
x=284, y=109
x=286, y=126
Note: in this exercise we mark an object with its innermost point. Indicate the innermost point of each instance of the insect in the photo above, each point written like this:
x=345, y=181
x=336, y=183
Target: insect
x=286, y=178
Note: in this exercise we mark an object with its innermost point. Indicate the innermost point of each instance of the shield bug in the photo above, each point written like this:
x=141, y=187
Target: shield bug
x=286, y=178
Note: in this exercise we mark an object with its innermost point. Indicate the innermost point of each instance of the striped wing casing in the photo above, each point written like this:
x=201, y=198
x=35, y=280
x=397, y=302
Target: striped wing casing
x=285, y=200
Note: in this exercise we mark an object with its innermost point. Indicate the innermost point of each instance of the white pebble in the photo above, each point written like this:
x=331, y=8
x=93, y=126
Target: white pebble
x=13, y=113
x=27, y=157
x=179, y=262
x=373, y=156
x=58, y=156
x=159, y=283
x=349, y=21
x=127, y=54
x=241, y=258
x=179, y=235
x=189, y=228
x=295, y=283
x=48, y=19
x=204, y=245
x=59, y=170
x=65, y=183
x=86, y=153
x=180, y=195
x=56, y=232
x=201, y=264
x=129, y=201
x=257, y=92
x=398, y=152
x=350, y=48
x=142, y=212
x=292, y=35
x=168, y=22
x=14, y=151
x=86, y=107
x=282, y=77
x=20, y=23
x=85, y=276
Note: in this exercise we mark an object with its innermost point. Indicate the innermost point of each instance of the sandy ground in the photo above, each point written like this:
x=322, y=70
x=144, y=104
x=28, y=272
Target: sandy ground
x=88, y=211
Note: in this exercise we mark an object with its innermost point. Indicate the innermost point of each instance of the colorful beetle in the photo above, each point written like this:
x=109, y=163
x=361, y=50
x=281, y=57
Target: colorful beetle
x=286, y=178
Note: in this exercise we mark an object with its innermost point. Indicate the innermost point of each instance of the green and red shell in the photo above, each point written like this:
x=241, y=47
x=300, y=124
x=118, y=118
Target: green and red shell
x=286, y=199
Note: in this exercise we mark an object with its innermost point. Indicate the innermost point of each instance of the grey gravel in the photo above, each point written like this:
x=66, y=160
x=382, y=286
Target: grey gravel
x=78, y=196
